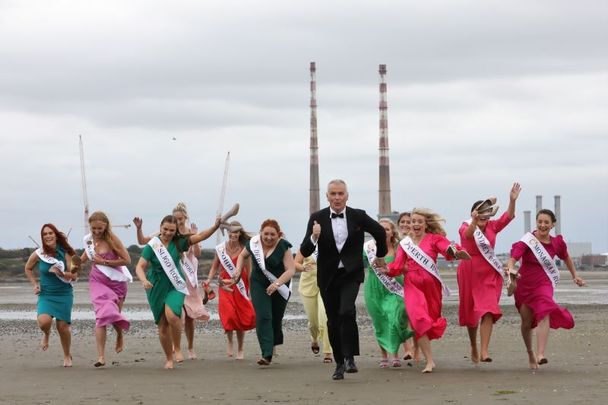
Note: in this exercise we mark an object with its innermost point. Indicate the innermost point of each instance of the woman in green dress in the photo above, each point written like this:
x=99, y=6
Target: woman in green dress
x=386, y=308
x=166, y=295
x=54, y=291
x=272, y=269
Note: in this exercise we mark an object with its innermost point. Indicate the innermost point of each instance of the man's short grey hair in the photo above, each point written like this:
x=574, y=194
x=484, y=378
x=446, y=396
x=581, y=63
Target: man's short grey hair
x=337, y=181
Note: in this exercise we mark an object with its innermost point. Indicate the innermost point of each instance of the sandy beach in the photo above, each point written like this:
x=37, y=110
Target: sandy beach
x=577, y=371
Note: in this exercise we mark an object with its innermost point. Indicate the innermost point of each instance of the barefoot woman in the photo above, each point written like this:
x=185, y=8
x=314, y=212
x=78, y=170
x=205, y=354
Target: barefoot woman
x=273, y=268
x=480, y=279
x=384, y=300
x=235, y=308
x=107, y=281
x=194, y=308
x=416, y=257
x=165, y=282
x=55, y=293
x=538, y=277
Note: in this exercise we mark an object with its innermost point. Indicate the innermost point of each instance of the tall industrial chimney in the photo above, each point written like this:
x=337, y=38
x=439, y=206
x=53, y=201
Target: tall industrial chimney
x=384, y=205
x=314, y=200
x=539, y=203
x=527, y=223
x=558, y=215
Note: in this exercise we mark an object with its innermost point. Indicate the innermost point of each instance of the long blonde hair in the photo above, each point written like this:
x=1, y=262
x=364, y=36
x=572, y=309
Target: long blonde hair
x=107, y=235
x=432, y=219
x=395, y=237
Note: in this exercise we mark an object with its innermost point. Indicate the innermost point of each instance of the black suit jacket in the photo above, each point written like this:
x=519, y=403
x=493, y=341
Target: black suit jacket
x=357, y=223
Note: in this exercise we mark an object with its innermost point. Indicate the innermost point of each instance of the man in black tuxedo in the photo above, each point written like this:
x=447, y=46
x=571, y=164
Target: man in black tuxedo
x=338, y=233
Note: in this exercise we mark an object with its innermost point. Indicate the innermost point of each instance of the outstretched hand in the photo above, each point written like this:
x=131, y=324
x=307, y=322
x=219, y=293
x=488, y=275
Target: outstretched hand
x=515, y=190
x=137, y=221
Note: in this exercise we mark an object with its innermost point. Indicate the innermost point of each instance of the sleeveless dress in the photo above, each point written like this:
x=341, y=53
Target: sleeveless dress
x=269, y=310
x=193, y=303
x=105, y=295
x=56, y=298
x=479, y=284
x=386, y=309
x=236, y=311
x=422, y=291
x=534, y=289
x=162, y=292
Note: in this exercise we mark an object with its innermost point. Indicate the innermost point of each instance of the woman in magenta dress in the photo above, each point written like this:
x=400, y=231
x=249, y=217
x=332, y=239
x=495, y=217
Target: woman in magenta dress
x=534, y=292
x=107, y=282
x=235, y=309
x=423, y=291
x=479, y=283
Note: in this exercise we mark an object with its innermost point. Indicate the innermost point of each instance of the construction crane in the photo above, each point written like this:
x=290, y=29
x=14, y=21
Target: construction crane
x=222, y=195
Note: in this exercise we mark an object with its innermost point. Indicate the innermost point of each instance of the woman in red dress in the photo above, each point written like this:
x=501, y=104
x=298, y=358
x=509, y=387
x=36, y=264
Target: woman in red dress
x=235, y=308
x=479, y=282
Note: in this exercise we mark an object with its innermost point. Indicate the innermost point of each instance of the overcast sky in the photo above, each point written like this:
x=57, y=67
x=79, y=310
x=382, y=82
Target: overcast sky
x=481, y=93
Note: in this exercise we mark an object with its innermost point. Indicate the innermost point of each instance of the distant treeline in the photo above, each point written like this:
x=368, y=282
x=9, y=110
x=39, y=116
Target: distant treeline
x=12, y=261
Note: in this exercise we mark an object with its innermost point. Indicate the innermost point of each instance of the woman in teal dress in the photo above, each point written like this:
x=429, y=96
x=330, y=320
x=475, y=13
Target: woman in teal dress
x=165, y=300
x=55, y=293
x=386, y=308
x=269, y=304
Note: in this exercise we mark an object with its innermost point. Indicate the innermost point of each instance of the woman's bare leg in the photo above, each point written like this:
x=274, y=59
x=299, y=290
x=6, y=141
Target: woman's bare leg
x=65, y=336
x=44, y=323
x=542, y=337
x=527, y=317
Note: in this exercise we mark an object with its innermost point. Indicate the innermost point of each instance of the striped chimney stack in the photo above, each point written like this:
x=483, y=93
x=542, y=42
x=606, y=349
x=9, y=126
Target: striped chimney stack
x=384, y=204
x=314, y=201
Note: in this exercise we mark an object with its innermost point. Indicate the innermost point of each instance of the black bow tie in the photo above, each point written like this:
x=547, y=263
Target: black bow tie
x=334, y=215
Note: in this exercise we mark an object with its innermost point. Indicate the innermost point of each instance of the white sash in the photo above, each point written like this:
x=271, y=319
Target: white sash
x=53, y=262
x=543, y=257
x=258, y=254
x=168, y=265
x=229, y=266
x=388, y=282
x=486, y=250
x=190, y=267
x=423, y=260
x=120, y=273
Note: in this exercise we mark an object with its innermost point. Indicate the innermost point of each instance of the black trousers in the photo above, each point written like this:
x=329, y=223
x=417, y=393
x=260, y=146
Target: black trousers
x=339, y=300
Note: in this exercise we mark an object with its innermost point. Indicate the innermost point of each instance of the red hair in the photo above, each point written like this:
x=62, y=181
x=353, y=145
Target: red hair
x=62, y=240
x=273, y=224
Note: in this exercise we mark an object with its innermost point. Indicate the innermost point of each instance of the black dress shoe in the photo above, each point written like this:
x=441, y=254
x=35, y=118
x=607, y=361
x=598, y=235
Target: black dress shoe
x=351, y=367
x=339, y=373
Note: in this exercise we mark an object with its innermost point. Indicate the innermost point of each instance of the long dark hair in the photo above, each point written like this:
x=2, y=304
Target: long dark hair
x=172, y=220
x=62, y=240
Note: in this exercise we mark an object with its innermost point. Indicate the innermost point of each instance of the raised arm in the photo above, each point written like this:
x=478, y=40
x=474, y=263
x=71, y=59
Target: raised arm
x=515, y=190
x=141, y=239
x=201, y=236
x=468, y=233
x=196, y=248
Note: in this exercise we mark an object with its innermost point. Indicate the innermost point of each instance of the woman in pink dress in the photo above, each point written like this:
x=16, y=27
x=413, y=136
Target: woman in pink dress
x=235, y=309
x=534, y=292
x=480, y=283
x=107, y=283
x=193, y=303
x=404, y=222
x=423, y=291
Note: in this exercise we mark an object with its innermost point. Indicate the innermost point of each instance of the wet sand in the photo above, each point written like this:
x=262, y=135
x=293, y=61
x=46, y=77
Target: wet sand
x=576, y=373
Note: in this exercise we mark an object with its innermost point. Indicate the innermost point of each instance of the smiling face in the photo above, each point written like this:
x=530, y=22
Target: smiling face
x=389, y=231
x=269, y=236
x=544, y=224
x=418, y=225
x=48, y=237
x=234, y=236
x=181, y=219
x=167, y=231
x=98, y=228
x=337, y=196
x=405, y=224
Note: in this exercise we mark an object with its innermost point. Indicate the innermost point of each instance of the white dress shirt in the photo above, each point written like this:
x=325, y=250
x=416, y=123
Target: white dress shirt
x=338, y=225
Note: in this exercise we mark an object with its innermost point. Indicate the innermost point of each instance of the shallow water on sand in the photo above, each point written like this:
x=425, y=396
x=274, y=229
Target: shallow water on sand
x=18, y=302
